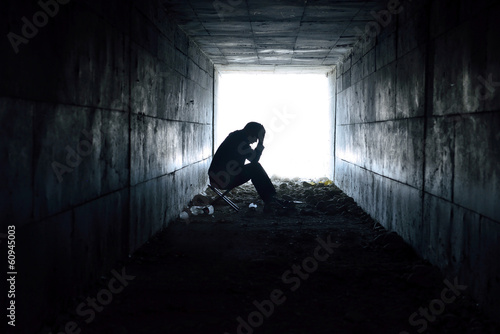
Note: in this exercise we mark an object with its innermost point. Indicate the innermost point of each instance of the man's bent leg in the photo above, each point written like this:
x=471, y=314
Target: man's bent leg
x=220, y=179
x=223, y=180
x=260, y=180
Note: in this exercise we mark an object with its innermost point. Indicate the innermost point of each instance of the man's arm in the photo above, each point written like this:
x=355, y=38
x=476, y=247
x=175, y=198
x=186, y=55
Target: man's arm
x=260, y=147
x=261, y=136
x=257, y=153
x=246, y=152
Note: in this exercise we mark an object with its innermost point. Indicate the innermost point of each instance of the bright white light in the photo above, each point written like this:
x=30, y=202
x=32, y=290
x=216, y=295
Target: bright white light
x=294, y=110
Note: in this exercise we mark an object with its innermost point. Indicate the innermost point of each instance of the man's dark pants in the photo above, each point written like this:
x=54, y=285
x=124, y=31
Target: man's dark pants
x=251, y=171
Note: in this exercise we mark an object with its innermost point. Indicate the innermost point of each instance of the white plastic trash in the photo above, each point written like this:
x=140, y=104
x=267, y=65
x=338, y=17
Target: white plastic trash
x=252, y=206
x=197, y=210
x=200, y=210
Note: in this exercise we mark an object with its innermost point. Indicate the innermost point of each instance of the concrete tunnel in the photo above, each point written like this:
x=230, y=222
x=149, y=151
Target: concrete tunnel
x=109, y=108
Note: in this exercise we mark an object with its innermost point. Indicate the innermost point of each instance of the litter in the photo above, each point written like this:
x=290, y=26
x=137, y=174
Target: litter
x=200, y=210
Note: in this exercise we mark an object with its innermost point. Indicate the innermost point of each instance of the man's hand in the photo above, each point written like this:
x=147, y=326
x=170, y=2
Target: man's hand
x=261, y=138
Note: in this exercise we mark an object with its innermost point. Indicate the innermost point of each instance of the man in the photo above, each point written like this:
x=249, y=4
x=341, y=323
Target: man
x=228, y=169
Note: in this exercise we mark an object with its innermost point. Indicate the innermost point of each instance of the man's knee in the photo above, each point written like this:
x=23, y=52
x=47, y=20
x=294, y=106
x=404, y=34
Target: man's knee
x=255, y=168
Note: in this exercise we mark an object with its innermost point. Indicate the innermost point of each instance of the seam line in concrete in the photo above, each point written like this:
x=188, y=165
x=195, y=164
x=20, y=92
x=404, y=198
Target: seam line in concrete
x=253, y=33
x=298, y=32
x=170, y=120
x=94, y=108
x=348, y=54
x=481, y=215
x=128, y=188
x=103, y=18
x=383, y=121
x=335, y=95
x=170, y=65
x=76, y=206
x=452, y=160
x=126, y=223
x=171, y=173
x=467, y=114
x=192, y=40
x=461, y=23
x=33, y=163
x=428, y=104
x=384, y=176
x=214, y=82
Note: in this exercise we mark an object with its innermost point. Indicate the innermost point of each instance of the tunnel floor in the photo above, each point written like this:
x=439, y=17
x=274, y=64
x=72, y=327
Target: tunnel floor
x=256, y=272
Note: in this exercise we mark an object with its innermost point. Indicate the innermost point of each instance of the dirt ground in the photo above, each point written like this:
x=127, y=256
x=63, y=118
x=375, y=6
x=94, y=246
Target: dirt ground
x=323, y=267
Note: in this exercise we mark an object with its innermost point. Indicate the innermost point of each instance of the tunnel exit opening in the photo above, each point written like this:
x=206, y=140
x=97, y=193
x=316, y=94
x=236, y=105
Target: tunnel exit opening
x=295, y=111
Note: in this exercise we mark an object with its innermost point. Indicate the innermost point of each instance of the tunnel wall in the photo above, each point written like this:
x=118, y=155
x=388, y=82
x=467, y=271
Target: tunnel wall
x=332, y=103
x=417, y=133
x=106, y=132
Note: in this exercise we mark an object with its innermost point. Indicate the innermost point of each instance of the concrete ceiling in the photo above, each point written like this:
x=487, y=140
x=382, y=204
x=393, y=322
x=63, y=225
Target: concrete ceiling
x=270, y=33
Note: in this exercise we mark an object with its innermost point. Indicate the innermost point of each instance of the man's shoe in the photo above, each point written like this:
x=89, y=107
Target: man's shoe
x=285, y=204
x=278, y=204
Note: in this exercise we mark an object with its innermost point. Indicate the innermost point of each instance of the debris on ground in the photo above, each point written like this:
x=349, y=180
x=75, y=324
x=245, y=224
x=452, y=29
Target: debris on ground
x=310, y=197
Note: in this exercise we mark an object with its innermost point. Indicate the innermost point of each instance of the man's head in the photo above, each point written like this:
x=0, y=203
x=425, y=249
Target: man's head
x=254, y=131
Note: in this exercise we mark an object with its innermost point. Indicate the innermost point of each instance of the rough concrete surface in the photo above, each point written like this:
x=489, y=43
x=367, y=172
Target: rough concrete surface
x=274, y=33
x=417, y=140
x=106, y=133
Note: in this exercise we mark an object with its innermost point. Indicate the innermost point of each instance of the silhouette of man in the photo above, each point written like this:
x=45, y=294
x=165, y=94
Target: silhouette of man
x=228, y=169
